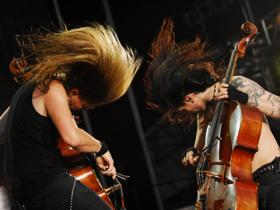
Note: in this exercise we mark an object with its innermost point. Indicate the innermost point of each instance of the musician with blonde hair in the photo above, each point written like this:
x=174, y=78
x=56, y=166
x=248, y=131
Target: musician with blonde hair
x=75, y=69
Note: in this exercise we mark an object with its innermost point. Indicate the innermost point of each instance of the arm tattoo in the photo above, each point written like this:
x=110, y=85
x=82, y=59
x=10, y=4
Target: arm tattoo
x=273, y=108
x=275, y=102
x=237, y=82
x=254, y=90
x=258, y=97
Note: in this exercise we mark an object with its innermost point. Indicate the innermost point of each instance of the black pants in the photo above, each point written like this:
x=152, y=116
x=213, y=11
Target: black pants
x=269, y=188
x=60, y=195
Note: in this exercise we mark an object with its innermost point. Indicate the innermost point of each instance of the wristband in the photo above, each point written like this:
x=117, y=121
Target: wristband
x=236, y=95
x=103, y=149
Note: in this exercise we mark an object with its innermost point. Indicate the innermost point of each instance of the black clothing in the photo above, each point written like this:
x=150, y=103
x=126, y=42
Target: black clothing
x=35, y=157
x=268, y=177
x=67, y=193
x=35, y=169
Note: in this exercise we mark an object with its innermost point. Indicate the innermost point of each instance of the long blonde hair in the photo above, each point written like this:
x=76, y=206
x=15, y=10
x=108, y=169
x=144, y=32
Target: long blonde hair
x=54, y=56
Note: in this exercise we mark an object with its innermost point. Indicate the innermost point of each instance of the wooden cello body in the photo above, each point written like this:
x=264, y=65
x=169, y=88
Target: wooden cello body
x=228, y=181
x=248, y=122
x=79, y=166
x=224, y=172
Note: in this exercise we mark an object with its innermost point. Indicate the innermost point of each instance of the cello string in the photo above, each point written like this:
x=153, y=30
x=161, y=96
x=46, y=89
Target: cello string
x=199, y=178
x=210, y=146
x=121, y=194
x=202, y=169
x=122, y=176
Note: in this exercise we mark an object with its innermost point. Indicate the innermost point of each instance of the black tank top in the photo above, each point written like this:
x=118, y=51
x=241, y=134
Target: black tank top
x=35, y=157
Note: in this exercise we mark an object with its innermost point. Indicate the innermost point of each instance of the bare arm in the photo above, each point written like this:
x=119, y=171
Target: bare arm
x=265, y=101
x=56, y=103
x=57, y=107
x=189, y=157
x=200, y=131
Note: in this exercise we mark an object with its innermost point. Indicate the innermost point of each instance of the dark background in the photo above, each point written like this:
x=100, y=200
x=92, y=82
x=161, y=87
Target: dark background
x=137, y=22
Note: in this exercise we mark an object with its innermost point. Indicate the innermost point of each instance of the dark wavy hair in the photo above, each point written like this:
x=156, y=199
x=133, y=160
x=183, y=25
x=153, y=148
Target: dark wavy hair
x=175, y=70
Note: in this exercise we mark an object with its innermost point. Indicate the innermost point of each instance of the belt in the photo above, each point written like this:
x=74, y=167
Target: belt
x=272, y=166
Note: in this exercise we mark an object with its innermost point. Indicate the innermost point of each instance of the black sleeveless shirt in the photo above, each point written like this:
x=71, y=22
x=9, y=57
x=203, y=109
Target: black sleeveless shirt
x=33, y=146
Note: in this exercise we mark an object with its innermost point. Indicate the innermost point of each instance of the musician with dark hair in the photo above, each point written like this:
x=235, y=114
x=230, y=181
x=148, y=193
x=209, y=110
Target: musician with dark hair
x=75, y=69
x=183, y=82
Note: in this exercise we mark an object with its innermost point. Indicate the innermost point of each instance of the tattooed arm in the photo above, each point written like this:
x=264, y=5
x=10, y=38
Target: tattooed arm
x=265, y=101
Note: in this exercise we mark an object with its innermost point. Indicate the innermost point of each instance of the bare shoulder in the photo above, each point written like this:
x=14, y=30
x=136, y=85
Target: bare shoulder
x=56, y=96
x=56, y=89
x=42, y=100
x=56, y=85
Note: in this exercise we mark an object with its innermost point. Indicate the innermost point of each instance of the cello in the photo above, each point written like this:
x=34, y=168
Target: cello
x=81, y=168
x=224, y=170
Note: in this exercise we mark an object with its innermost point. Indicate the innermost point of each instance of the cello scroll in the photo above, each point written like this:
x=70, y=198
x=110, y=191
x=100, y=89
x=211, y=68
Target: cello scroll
x=250, y=30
